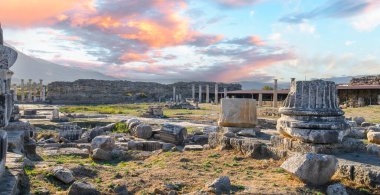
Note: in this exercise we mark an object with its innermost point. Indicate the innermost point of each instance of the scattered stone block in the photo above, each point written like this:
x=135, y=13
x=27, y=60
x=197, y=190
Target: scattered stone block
x=336, y=189
x=373, y=137
x=193, y=148
x=167, y=146
x=359, y=120
x=144, y=145
x=238, y=112
x=173, y=134
x=200, y=139
x=79, y=187
x=63, y=174
x=221, y=185
x=106, y=143
x=366, y=124
x=314, y=169
x=249, y=132
x=99, y=154
x=373, y=149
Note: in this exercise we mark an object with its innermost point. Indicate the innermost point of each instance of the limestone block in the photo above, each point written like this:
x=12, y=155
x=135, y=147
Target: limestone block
x=373, y=137
x=221, y=185
x=106, y=143
x=336, y=189
x=193, y=148
x=99, y=154
x=238, y=112
x=314, y=169
x=64, y=175
x=80, y=187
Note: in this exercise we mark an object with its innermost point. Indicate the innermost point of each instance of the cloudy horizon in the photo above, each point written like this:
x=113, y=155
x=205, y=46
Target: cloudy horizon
x=211, y=40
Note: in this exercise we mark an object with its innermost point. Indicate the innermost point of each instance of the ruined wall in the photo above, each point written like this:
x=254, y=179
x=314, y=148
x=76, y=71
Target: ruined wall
x=88, y=91
x=367, y=80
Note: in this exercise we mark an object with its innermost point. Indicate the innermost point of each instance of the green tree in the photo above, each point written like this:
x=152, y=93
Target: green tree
x=266, y=87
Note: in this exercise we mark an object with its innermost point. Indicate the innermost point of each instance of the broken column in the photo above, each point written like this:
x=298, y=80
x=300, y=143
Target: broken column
x=207, y=93
x=311, y=114
x=275, y=94
x=216, y=101
x=22, y=90
x=8, y=57
x=200, y=94
x=30, y=90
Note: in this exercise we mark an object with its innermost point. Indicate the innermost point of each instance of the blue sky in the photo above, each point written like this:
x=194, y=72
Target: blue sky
x=213, y=40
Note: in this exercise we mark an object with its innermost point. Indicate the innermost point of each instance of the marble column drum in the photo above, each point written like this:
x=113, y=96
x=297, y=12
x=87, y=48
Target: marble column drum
x=311, y=113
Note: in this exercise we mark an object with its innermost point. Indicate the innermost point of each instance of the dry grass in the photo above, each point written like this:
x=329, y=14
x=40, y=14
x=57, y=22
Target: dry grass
x=189, y=171
x=370, y=113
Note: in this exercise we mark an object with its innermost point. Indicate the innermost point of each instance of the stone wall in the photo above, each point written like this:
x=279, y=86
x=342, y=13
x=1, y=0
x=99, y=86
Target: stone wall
x=88, y=91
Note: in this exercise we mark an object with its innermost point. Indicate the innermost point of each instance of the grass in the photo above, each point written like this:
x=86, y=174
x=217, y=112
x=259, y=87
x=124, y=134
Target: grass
x=120, y=128
x=370, y=113
x=128, y=109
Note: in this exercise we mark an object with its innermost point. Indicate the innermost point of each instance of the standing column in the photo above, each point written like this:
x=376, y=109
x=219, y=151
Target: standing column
x=34, y=91
x=43, y=94
x=41, y=86
x=30, y=90
x=225, y=92
x=216, y=94
x=275, y=94
x=200, y=94
x=193, y=92
x=15, y=93
x=207, y=93
x=22, y=90
x=174, y=97
x=260, y=99
x=180, y=98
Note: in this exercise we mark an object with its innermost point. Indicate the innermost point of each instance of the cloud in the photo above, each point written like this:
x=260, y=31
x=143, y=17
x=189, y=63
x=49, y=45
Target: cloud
x=333, y=9
x=349, y=43
x=367, y=21
x=26, y=13
x=236, y=3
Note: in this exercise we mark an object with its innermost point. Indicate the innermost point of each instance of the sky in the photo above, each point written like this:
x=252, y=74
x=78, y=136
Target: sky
x=200, y=40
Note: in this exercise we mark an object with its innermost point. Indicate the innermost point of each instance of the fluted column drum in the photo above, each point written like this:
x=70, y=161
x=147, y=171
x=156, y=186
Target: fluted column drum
x=311, y=113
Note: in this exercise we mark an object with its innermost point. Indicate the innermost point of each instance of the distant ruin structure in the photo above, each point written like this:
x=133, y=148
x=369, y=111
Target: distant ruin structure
x=89, y=91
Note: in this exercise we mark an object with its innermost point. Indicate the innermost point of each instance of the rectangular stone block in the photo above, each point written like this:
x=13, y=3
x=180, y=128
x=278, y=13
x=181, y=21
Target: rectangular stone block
x=238, y=112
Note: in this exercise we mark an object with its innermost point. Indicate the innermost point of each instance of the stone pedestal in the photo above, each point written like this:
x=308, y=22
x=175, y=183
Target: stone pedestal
x=311, y=114
x=238, y=112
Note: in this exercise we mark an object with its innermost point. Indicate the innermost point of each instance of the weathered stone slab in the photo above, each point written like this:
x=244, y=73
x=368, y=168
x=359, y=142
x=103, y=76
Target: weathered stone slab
x=360, y=168
x=238, y=113
x=315, y=169
x=67, y=151
x=193, y=148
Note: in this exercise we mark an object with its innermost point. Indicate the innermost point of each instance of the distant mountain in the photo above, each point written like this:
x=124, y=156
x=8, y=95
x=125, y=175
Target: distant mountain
x=27, y=67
